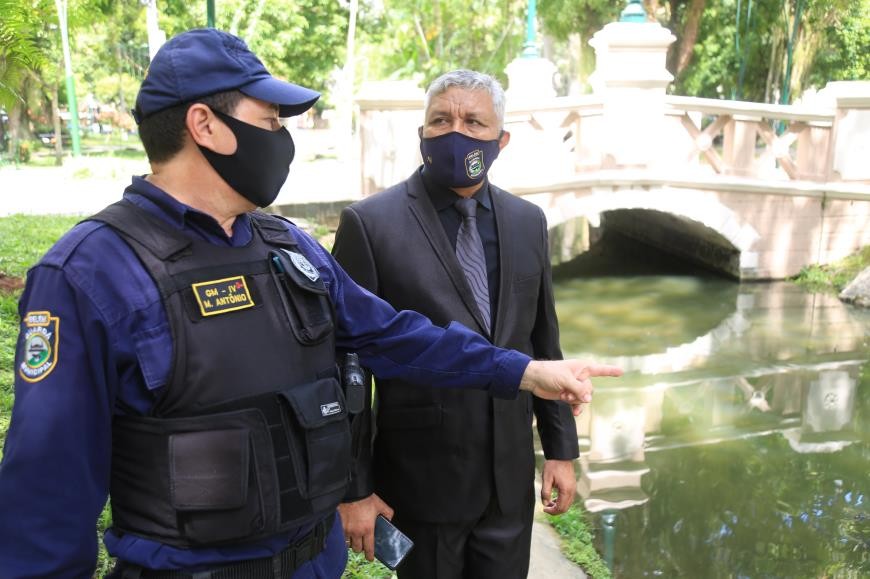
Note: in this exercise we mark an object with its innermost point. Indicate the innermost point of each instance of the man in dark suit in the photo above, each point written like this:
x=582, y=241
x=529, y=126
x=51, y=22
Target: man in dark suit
x=457, y=466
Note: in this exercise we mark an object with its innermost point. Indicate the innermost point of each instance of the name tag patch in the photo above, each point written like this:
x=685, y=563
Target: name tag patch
x=330, y=409
x=222, y=295
x=40, y=335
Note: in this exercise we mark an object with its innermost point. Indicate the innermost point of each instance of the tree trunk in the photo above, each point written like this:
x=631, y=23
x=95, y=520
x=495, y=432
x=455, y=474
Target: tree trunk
x=15, y=114
x=673, y=26
x=439, y=27
x=2, y=133
x=122, y=106
x=776, y=48
x=689, y=36
x=55, y=117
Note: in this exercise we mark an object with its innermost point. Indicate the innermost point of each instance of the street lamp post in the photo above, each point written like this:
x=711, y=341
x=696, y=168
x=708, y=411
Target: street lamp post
x=72, y=104
x=530, y=76
x=633, y=12
x=530, y=48
x=209, y=13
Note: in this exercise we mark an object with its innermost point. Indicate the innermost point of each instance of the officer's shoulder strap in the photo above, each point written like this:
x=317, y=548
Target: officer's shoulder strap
x=274, y=228
x=134, y=222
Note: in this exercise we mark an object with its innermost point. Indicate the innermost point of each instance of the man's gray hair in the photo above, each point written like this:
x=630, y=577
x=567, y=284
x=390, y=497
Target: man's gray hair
x=469, y=80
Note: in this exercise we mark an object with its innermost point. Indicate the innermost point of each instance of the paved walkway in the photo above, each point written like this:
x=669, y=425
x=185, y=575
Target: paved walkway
x=547, y=561
x=84, y=186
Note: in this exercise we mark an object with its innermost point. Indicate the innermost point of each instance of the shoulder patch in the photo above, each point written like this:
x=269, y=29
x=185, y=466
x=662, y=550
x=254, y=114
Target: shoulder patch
x=41, y=337
x=301, y=263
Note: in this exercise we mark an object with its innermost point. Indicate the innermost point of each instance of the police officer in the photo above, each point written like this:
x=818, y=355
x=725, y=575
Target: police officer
x=177, y=352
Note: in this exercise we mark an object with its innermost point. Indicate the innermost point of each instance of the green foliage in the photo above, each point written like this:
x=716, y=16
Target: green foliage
x=832, y=43
x=19, y=52
x=359, y=568
x=410, y=39
x=104, y=562
x=741, y=47
x=303, y=45
x=845, y=53
x=835, y=276
x=577, y=542
x=413, y=39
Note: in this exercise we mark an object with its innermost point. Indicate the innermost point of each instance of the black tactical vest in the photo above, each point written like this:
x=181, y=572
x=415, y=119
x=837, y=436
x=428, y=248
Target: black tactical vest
x=250, y=435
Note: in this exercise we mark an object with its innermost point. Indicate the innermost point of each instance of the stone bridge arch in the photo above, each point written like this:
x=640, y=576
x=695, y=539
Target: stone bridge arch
x=693, y=225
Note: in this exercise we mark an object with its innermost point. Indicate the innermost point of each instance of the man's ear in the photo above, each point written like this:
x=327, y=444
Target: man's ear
x=207, y=130
x=504, y=139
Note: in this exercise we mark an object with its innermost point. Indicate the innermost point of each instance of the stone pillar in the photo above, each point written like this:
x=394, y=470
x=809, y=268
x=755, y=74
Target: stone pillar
x=529, y=80
x=631, y=79
x=389, y=114
x=850, y=147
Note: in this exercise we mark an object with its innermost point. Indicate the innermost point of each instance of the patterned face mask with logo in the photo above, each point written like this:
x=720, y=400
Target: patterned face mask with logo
x=457, y=160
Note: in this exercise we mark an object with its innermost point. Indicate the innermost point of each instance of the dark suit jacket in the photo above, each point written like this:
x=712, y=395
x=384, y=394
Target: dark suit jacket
x=438, y=452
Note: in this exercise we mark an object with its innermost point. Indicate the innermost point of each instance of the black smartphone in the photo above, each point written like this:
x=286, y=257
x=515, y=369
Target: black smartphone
x=391, y=544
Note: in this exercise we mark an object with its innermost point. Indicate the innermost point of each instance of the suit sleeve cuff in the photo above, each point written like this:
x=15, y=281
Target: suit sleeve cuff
x=510, y=372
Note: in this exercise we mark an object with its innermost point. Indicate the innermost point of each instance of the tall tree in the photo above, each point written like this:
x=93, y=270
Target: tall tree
x=303, y=45
x=420, y=39
x=745, y=54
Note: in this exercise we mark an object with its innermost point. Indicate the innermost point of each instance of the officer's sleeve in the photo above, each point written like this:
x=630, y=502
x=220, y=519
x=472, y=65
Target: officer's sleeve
x=406, y=345
x=555, y=421
x=54, y=473
x=352, y=250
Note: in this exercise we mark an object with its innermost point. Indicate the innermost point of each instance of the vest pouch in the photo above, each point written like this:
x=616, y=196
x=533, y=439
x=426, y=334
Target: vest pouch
x=320, y=441
x=208, y=470
x=303, y=295
x=194, y=481
x=209, y=482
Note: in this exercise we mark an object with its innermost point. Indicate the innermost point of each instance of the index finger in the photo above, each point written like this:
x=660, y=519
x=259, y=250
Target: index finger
x=597, y=370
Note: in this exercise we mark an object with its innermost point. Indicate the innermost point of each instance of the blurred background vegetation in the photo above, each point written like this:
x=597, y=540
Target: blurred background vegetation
x=763, y=51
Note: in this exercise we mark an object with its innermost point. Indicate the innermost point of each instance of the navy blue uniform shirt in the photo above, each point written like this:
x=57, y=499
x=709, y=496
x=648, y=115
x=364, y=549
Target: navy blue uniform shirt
x=95, y=342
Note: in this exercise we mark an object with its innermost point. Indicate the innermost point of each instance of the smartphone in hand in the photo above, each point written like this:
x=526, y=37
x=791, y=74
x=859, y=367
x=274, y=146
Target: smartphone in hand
x=391, y=544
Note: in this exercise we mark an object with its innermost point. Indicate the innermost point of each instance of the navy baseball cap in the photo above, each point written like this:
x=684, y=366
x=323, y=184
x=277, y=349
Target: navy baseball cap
x=205, y=61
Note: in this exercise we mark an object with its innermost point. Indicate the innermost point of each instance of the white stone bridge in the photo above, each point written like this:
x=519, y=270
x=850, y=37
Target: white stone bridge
x=756, y=191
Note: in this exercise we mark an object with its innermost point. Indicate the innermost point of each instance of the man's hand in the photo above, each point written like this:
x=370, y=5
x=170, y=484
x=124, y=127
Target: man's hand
x=358, y=521
x=558, y=474
x=567, y=380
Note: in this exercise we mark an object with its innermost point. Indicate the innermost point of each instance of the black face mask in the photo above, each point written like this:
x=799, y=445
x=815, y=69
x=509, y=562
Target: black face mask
x=260, y=165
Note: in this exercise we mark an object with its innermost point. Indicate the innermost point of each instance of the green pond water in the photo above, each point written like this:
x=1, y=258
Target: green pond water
x=738, y=442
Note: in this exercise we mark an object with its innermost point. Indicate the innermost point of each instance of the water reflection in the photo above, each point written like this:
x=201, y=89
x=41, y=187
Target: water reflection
x=737, y=444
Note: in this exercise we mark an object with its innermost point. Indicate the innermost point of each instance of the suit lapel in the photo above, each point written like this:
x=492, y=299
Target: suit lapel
x=505, y=261
x=424, y=212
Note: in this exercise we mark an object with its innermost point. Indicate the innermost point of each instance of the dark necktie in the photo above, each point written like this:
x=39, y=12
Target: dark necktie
x=469, y=251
